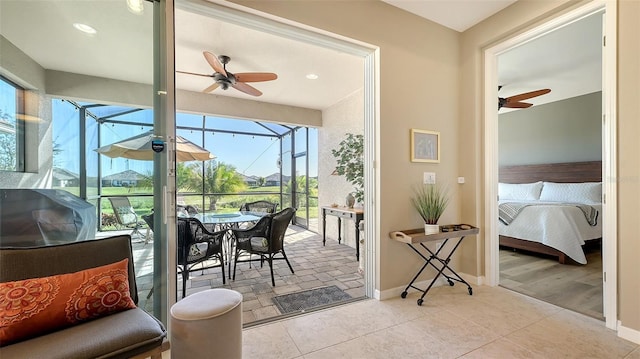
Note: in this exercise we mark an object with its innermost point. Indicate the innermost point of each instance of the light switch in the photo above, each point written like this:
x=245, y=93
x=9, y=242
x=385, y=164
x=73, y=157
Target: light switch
x=429, y=178
x=461, y=180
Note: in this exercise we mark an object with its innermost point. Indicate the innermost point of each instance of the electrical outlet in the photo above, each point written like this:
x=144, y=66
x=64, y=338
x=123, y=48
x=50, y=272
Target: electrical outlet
x=429, y=178
x=461, y=180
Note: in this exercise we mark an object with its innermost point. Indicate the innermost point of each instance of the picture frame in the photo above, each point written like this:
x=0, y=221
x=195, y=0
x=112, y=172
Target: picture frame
x=425, y=146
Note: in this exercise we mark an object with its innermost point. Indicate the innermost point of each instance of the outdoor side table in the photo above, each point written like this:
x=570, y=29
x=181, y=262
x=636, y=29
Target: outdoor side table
x=416, y=239
x=355, y=214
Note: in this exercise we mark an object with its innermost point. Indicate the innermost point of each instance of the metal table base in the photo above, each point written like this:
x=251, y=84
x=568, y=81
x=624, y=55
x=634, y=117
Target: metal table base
x=416, y=240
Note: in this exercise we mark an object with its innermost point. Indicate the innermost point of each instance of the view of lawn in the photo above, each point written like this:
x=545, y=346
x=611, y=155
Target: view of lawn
x=141, y=200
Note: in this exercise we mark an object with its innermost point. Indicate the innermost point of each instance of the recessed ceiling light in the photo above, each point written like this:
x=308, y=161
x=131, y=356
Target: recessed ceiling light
x=85, y=28
x=135, y=6
x=312, y=76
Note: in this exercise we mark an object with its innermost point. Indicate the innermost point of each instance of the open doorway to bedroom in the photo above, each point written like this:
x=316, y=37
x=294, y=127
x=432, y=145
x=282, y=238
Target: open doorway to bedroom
x=550, y=168
x=559, y=150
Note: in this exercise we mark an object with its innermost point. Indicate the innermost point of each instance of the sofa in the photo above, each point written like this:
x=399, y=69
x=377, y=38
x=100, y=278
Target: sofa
x=128, y=332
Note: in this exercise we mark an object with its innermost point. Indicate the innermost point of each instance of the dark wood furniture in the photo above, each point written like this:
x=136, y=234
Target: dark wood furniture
x=567, y=172
x=355, y=214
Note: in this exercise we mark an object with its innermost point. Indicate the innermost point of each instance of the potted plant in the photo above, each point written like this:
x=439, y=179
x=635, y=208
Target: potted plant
x=430, y=201
x=350, y=163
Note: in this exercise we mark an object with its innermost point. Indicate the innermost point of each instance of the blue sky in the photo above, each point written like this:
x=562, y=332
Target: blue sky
x=251, y=155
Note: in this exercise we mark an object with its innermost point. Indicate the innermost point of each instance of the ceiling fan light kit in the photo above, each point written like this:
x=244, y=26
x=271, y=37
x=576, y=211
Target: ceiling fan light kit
x=515, y=101
x=225, y=79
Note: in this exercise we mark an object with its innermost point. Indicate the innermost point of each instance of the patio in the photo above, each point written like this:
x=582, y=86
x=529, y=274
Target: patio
x=314, y=265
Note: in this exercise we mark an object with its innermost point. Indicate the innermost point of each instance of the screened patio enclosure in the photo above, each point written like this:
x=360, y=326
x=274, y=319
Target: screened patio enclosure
x=253, y=161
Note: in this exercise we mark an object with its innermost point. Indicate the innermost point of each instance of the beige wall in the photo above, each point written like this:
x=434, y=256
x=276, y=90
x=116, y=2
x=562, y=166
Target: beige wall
x=424, y=70
x=419, y=88
x=516, y=18
x=628, y=162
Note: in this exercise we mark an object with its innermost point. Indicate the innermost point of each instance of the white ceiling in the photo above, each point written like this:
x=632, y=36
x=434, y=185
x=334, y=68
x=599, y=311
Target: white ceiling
x=567, y=60
x=339, y=74
x=458, y=15
x=122, y=49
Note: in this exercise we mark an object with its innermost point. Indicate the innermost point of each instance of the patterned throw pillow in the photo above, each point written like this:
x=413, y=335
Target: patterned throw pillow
x=32, y=307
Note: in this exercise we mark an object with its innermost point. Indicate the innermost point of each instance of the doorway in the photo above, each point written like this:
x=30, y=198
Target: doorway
x=608, y=145
x=368, y=56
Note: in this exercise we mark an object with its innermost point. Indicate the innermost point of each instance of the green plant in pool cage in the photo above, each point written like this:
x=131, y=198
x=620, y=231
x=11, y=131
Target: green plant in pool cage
x=350, y=162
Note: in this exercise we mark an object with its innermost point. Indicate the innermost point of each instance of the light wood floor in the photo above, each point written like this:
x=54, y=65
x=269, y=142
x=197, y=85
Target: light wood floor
x=572, y=286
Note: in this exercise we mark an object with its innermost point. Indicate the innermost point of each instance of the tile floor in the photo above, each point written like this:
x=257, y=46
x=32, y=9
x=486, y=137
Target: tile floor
x=493, y=323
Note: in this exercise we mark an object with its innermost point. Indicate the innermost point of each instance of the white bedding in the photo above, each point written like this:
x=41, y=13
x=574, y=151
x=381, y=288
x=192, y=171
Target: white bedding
x=564, y=228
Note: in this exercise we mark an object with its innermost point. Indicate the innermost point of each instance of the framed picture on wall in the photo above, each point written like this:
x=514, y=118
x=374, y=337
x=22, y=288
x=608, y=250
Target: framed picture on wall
x=425, y=146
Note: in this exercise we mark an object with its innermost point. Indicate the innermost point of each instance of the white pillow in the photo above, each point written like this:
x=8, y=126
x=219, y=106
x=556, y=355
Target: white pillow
x=519, y=191
x=587, y=192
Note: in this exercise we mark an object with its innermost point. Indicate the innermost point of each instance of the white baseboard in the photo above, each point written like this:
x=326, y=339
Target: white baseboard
x=629, y=334
x=472, y=279
x=397, y=291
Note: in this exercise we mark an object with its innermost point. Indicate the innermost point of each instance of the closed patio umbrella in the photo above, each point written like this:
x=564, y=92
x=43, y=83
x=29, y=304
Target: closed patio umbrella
x=139, y=148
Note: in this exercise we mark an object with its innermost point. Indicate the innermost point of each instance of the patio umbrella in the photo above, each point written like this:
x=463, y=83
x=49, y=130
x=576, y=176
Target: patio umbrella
x=139, y=148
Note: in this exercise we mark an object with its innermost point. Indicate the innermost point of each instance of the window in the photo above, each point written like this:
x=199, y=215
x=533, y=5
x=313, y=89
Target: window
x=11, y=126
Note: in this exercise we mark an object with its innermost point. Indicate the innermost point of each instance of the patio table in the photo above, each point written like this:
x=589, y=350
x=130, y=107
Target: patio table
x=226, y=221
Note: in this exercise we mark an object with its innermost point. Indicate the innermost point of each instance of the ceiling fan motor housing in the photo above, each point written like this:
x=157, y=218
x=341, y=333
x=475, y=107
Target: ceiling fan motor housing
x=224, y=81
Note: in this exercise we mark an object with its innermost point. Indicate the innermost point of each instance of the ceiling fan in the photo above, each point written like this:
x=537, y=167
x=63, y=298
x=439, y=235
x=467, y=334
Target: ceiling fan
x=224, y=78
x=514, y=101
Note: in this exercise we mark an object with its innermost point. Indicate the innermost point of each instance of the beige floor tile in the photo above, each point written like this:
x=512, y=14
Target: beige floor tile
x=571, y=334
x=634, y=354
x=357, y=348
x=269, y=341
x=459, y=335
x=502, y=348
x=502, y=314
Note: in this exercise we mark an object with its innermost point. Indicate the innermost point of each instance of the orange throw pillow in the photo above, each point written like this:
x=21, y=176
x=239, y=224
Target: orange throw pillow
x=32, y=307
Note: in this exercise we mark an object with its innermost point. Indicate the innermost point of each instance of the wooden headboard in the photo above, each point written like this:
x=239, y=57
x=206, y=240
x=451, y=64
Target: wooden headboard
x=552, y=172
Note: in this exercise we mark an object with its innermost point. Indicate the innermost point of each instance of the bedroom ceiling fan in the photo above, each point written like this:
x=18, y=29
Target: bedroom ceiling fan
x=515, y=101
x=225, y=79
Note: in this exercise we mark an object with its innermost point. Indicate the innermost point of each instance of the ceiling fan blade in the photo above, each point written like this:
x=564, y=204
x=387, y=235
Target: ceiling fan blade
x=214, y=62
x=193, y=73
x=211, y=88
x=526, y=95
x=255, y=76
x=517, y=105
x=241, y=86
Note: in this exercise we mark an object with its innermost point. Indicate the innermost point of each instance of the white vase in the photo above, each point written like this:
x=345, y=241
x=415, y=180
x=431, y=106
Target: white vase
x=431, y=228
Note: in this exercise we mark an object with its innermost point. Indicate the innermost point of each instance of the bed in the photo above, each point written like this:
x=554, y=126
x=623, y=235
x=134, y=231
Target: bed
x=548, y=208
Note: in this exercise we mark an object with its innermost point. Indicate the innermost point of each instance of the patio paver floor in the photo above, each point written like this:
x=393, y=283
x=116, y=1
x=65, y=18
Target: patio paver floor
x=314, y=265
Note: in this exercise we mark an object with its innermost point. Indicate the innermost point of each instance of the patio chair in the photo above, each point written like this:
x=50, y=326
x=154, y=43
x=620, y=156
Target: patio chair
x=259, y=207
x=197, y=245
x=126, y=216
x=188, y=209
x=148, y=219
x=265, y=238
